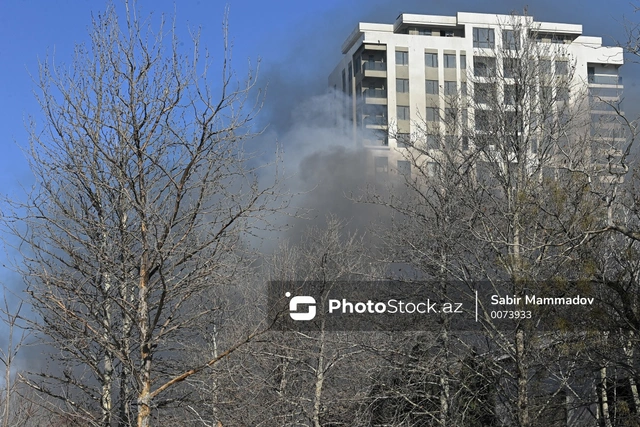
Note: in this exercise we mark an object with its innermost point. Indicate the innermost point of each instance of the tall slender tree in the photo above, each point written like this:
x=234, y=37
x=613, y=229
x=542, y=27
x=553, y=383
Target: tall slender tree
x=143, y=195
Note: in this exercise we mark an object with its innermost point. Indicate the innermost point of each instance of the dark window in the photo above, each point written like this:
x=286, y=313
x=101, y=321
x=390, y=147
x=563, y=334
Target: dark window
x=546, y=94
x=450, y=88
x=381, y=164
x=563, y=94
x=484, y=66
x=484, y=93
x=463, y=62
x=510, y=94
x=510, y=39
x=562, y=68
x=431, y=87
x=404, y=168
x=402, y=85
x=465, y=143
x=403, y=113
x=431, y=60
x=484, y=38
x=483, y=120
x=402, y=58
x=545, y=66
x=511, y=66
x=432, y=142
x=449, y=60
x=403, y=140
x=432, y=114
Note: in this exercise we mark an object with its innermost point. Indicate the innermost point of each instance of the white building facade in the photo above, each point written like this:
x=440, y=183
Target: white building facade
x=397, y=76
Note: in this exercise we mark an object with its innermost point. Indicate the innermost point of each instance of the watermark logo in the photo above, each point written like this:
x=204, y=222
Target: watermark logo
x=301, y=300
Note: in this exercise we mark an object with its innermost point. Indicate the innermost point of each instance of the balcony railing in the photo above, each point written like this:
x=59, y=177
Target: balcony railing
x=375, y=121
x=375, y=93
x=374, y=66
x=605, y=80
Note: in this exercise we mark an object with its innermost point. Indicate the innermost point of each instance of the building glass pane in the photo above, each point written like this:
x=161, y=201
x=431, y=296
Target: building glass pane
x=432, y=114
x=431, y=60
x=510, y=39
x=449, y=60
x=484, y=38
x=431, y=87
x=402, y=58
x=484, y=66
x=450, y=88
x=403, y=112
x=402, y=85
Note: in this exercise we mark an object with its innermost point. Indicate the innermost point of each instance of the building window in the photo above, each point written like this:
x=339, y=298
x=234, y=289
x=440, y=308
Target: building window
x=562, y=68
x=402, y=58
x=402, y=85
x=484, y=93
x=431, y=60
x=483, y=120
x=404, y=168
x=484, y=38
x=511, y=66
x=414, y=31
x=432, y=114
x=563, y=93
x=484, y=66
x=432, y=142
x=403, y=112
x=510, y=94
x=464, y=143
x=510, y=39
x=545, y=66
x=546, y=94
x=431, y=87
x=463, y=62
x=449, y=60
x=381, y=164
x=463, y=88
x=350, y=75
x=451, y=118
x=403, y=140
x=450, y=88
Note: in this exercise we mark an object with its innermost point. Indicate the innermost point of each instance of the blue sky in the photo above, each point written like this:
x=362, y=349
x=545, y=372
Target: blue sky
x=298, y=42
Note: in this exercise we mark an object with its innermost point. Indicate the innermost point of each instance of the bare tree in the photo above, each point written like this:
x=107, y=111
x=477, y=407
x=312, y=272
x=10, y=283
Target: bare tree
x=16, y=336
x=144, y=194
x=505, y=184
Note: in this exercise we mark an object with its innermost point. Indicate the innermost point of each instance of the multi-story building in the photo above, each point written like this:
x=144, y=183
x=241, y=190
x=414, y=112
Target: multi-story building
x=397, y=77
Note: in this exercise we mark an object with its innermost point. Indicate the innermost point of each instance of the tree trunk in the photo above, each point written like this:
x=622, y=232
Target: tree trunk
x=606, y=419
x=317, y=397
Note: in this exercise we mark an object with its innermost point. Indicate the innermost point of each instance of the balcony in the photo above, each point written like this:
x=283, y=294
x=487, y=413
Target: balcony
x=374, y=93
x=374, y=66
x=375, y=122
x=374, y=69
x=375, y=96
x=604, y=80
